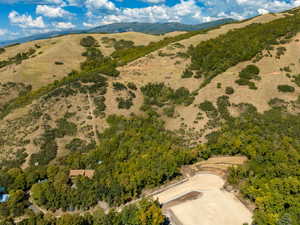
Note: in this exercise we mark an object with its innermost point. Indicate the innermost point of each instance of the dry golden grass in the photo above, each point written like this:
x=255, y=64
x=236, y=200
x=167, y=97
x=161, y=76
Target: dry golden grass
x=40, y=70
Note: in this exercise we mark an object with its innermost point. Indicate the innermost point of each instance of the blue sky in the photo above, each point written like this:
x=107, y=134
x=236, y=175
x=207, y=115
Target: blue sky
x=19, y=18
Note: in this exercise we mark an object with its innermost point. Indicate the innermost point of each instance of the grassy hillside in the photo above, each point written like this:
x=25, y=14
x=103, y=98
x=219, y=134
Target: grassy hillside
x=136, y=107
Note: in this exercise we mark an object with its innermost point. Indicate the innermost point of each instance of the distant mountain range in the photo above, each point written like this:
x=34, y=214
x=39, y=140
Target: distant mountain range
x=155, y=28
x=149, y=28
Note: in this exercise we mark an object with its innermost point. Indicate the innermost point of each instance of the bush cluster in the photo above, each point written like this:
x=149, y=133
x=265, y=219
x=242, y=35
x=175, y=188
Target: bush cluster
x=117, y=86
x=250, y=72
x=229, y=90
x=285, y=88
x=88, y=41
x=18, y=58
x=158, y=94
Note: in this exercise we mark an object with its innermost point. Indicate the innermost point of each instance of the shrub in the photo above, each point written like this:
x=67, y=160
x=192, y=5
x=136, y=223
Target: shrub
x=187, y=74
x=100, y=105
x=65, y=127
x=286, y=69
x=158, y=94
x=169, y=111
x=2, y=50
x=296, y=79
x=123, y=44
x=88, y=41
x=285, y=88
x=178, y=45
x=182, y=96
x=209, y=108
x=182, y=55
x=250, y=72
x=219, y=85
x=198, y=75
x=124, y=103
x=119, y=86
x=223, y=104
x=77, y=144
x=278, y=103
x=229, y=90
x=247, y=74
x=242, y=82
x=280, y=52
x=132, y=86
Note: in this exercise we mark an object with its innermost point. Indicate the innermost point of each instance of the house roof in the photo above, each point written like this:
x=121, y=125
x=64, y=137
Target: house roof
x=89, y=173
x=76, y=173
x=86, y=173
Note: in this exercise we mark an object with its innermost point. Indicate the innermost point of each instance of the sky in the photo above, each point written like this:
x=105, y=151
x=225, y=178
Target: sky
x=19, y=18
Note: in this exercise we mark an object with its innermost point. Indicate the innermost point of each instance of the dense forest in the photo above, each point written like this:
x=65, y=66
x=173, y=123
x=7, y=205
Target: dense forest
x=271, y=177
x=138, y=152
x=144, y=213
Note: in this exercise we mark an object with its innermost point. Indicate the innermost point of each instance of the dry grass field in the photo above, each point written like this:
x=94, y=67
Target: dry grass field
x=41, y=69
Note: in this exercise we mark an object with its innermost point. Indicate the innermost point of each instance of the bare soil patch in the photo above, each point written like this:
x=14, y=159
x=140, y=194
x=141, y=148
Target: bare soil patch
x=214, y=207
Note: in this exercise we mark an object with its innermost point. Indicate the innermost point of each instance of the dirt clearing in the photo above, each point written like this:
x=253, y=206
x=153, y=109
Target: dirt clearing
x=214, y=206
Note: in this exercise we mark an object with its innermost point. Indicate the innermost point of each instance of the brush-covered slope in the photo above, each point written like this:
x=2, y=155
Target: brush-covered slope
x=52, y=60
x=62, y=95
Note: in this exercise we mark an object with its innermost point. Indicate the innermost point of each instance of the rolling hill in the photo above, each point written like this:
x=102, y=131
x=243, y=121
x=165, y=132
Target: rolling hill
x=136, y=107
x=147, y=28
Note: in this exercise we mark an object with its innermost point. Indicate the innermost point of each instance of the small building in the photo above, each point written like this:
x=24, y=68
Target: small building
x=86, y=173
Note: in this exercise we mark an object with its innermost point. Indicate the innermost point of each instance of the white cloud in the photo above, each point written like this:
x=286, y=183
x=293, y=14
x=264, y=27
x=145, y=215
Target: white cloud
x=262, y=11
x=181, y=12
x=51, y=11
x=100, y=4
x=296, y=3
x=88, y=24
x=3, y=32
x=55, y=2
x=64, y=25
x=52, y=2
x=241, y=9
x=74, y=2
x=153, y=1
x=25, y=21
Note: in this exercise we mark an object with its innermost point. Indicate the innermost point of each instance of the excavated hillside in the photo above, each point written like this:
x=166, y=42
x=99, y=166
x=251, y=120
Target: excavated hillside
x=44, y=117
